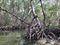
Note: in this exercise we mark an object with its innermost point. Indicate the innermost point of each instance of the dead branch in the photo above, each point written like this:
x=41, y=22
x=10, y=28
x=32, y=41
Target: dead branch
x=9, y=28
x=14, y=15
x=44, y=15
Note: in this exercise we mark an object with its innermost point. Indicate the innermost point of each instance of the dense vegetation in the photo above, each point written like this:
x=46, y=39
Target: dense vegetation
x=17, y=16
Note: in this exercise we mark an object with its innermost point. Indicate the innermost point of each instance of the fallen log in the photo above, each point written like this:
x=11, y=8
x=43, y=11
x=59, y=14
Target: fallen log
x=12, y=28
x=17, y=27
x=7, y=28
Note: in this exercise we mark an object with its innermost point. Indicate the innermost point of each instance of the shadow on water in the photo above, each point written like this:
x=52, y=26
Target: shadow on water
x=26, y=42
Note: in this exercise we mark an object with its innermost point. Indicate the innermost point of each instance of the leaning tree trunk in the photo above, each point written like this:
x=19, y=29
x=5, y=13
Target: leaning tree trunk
x=32, y=33
x=36, y=33
x=34, y=14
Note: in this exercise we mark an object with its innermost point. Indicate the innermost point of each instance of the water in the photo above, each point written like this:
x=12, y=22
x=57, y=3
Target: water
x=22, y=42
x=25, y=42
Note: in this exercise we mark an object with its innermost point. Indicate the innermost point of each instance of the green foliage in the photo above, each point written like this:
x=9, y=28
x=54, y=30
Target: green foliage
x=21, y=9
x=5, y=20
x=53, y=8
x=38, y=9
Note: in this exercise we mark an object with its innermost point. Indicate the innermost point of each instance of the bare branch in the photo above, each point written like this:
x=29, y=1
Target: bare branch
x=13, y=15
x=43, y=12
x=34, y=14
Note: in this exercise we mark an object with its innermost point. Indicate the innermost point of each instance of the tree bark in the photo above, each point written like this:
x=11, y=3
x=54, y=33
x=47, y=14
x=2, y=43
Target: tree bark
x=34, y=14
